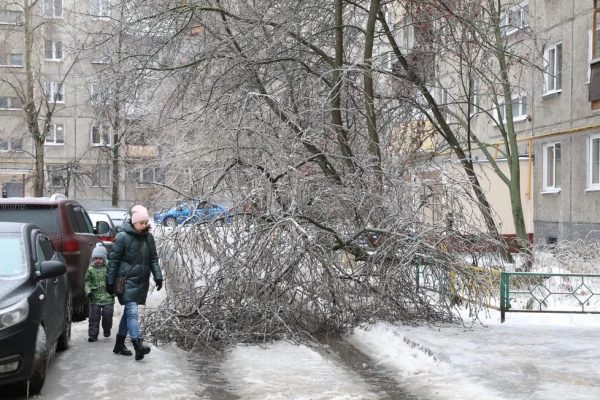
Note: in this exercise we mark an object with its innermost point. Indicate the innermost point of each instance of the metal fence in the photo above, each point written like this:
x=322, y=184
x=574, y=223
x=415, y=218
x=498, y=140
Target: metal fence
x=549, y=293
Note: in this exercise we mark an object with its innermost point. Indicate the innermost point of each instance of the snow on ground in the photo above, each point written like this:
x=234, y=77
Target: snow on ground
x=530, y=356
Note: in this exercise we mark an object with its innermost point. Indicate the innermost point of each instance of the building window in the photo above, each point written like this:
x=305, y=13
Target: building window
x=101, y=135
x=9, y=17
x=55, y=92
x=11, y=60
x=519, y=108
x=55, y=135
x=151, y=175
x=99, y=93
x=551, y=165
x=100, y=8
x=11, y=103
x=473, y=97
x=553, y=69
x=594, y=162
x=13, y=144
x=53, y=8
x=56, y=175
x=405, y=36
x=101, y=176
x=596, y=28
x=515, y=18
x=53, y=50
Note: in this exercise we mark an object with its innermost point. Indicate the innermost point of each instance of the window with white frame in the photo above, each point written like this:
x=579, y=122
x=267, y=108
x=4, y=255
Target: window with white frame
x=405, y=35
x=101, y=176
x=101, y=135
x=445, y=105
x=100, y=8
x=99, y=93
x=519, y=108
x=553, y=69
x=53, y=50
x=10, y=103
x=55, y=135
x=551, y=167
x=515, y=18
x=55, y=92
x=594, y=162
x=11, y=59
x=53, y=8
x=11, y=144
x=151, y=175
x=473, y=97
x=56, y=175
x=9, y=17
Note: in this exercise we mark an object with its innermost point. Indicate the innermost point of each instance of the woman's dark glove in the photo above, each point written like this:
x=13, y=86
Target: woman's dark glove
x=110, y=289
x=158, y=283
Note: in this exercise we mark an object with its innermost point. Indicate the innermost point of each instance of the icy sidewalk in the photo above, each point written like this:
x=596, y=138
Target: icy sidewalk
x=530, y=356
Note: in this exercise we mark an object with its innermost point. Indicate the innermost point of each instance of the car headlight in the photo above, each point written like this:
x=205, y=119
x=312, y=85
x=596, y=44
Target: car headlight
x=14, y=314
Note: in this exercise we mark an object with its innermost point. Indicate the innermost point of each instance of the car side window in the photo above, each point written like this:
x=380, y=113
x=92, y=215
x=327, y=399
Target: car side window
x=81, y=222
x=47, y=247
x=42, y=251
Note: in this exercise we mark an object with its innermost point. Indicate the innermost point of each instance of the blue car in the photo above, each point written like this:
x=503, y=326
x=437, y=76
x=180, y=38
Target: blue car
x=193, y=213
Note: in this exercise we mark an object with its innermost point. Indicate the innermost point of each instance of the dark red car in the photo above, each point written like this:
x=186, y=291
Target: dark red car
x=69, y=227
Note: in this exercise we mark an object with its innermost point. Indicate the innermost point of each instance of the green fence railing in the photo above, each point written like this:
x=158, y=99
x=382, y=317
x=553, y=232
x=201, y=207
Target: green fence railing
x=549, y=292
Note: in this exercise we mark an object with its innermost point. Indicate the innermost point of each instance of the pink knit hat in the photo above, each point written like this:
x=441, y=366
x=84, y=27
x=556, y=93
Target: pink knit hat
x=139, y=213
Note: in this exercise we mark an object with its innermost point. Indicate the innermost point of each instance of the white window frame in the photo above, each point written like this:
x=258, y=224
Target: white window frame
x=101, y=133
x=473, y=97
x=52, y=139
x=53, y=8
x=551, y=165
x=154, y=172
x=9, y=145
x=553, y=69
x=56, y=48
x=11, y=17
x=521, y=101
x=509, y=27
x=8, y=57
x=593, y=181
x=10, y=101
x=101, y=176
x=406, y=34
x=100, y=9
x=99, y=93
x=55, y=92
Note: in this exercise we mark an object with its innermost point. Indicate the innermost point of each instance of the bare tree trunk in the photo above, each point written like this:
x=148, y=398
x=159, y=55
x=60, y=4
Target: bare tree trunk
x=374, y=149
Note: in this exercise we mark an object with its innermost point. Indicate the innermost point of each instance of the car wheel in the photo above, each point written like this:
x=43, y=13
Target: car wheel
x=63, y=340
x=170, y=222
x=41, y=359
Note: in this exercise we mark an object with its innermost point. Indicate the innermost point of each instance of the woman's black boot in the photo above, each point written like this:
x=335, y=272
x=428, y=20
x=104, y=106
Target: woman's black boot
x=140, y=349
x=120, y=346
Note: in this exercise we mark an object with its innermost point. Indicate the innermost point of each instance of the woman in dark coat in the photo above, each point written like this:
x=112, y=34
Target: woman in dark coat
x=133, y=255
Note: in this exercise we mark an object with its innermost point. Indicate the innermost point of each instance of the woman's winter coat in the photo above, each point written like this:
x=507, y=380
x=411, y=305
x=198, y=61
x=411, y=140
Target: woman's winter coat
x=134, y=255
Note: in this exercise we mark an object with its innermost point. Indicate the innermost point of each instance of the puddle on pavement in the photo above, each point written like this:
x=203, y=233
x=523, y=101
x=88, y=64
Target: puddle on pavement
x=207, y=364
x=377, y=377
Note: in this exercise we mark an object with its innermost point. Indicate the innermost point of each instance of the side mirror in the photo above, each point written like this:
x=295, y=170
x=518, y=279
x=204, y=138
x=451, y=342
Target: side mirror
x=51, y=269
x=102, y=227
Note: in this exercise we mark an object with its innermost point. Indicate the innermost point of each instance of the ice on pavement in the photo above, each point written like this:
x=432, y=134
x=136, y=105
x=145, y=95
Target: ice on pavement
x=531, y=356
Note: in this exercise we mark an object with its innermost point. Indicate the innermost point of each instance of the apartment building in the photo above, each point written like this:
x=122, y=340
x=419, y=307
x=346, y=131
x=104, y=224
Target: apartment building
x=94, y=108
x=554, y=71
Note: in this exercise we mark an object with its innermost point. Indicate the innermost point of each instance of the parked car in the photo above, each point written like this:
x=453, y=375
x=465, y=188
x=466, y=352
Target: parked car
x=107, y=237
x=117, y=215
x=193, y=213
x=35, y=306
x=69, y=227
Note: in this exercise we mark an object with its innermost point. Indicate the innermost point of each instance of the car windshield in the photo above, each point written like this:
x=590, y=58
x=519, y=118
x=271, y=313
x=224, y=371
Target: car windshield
x=12, y=255
x=42, y=216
